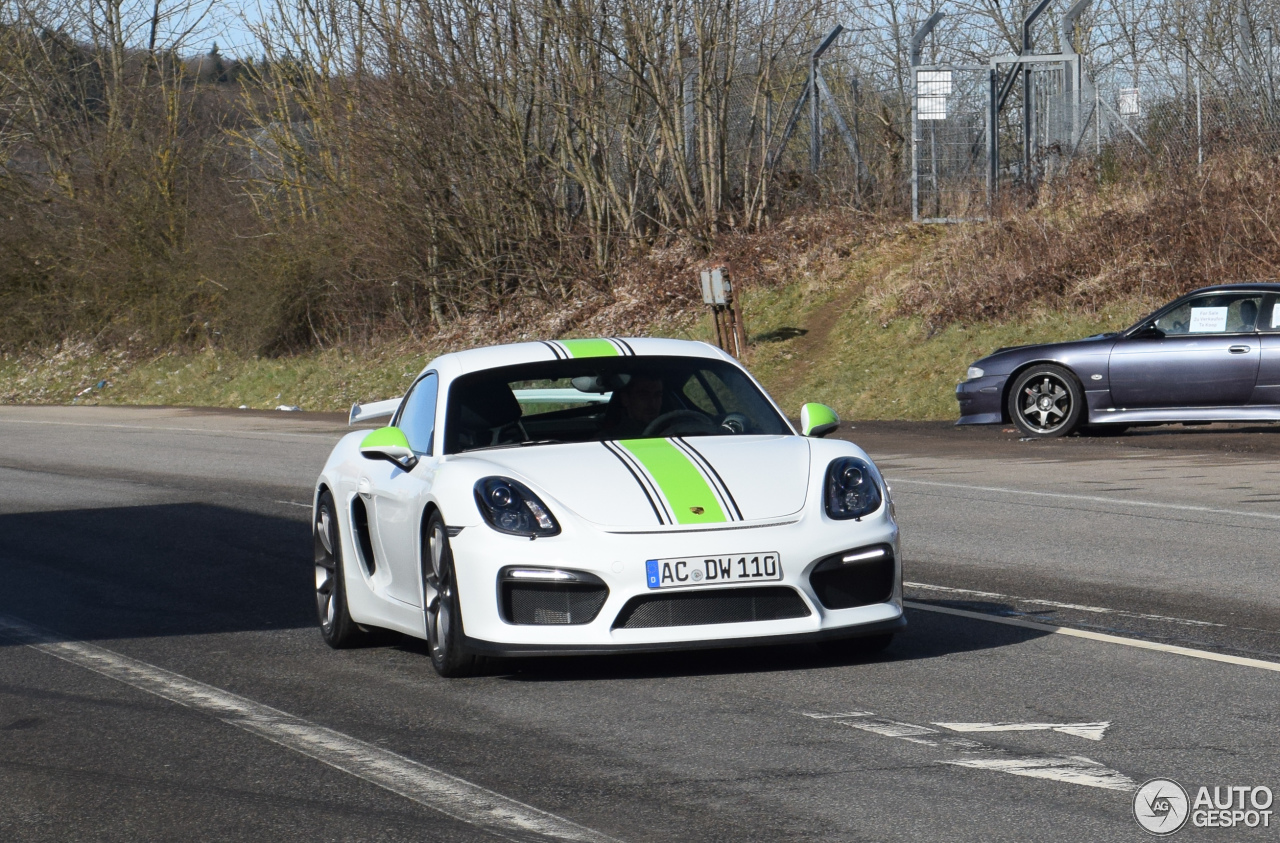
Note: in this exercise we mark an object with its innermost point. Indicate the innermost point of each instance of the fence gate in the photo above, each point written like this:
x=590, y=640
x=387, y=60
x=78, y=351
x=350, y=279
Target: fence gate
x=1038, y=133
x=950, y=142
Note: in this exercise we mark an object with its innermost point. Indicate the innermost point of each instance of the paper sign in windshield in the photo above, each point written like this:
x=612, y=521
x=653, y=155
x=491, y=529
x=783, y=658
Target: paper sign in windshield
x=1275, y=317
x=1208, y=320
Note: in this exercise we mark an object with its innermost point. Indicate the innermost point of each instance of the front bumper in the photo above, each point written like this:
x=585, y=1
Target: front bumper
x=619, y=560
x=981, y=400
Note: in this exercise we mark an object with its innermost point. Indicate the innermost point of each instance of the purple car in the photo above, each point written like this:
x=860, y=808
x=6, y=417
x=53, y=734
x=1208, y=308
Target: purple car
x=1212, y=355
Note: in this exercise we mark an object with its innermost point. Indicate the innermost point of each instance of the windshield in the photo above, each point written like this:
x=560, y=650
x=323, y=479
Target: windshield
x=594, y=400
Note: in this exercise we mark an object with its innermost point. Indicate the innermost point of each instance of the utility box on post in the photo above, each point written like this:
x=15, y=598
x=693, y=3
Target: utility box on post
x=717, y=292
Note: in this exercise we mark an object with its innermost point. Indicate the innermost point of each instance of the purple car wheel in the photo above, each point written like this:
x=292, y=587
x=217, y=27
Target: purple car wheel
x=1046, y=401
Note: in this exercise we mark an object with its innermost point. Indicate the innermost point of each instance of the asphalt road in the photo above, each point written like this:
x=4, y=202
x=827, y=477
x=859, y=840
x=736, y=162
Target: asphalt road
x=157, y=600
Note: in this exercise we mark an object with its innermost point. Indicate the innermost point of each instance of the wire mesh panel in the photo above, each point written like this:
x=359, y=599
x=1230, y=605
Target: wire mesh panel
x=1040, y=119
x=949, y=142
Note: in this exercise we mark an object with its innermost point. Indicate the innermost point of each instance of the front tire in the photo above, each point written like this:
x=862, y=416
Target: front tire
x=336, y=626
x=1046, y=402
x=441, y=607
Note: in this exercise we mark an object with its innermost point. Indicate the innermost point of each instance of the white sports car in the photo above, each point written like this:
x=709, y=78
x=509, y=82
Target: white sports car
x=600, y=496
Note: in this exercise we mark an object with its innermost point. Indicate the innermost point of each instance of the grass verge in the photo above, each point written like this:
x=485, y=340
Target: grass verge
x=808, y=344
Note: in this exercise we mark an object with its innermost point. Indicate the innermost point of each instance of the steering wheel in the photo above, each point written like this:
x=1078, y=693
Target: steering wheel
x=735, y=422
x=693, y=420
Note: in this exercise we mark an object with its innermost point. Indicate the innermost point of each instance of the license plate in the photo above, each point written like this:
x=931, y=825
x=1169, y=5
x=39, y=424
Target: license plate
x=712, y=570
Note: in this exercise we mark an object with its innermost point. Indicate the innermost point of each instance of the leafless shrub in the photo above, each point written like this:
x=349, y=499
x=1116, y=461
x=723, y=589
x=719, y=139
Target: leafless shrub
x=1150, y=236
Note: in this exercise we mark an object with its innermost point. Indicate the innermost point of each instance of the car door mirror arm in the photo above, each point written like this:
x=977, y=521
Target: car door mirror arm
x=404, y=463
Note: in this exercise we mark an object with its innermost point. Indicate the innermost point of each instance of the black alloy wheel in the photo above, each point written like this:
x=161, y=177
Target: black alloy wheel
x=336, y=626
x=1046, y=401
x=440, y=604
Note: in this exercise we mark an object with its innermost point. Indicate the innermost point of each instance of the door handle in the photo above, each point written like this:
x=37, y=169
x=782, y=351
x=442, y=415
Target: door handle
x=1238, y=349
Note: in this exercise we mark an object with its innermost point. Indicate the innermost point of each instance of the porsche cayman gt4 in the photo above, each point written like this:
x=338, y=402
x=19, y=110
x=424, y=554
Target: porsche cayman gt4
x=599, y=496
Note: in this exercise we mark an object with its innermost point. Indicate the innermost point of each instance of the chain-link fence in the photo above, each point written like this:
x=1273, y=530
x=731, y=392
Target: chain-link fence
x=951, y=144
x=1158, y=85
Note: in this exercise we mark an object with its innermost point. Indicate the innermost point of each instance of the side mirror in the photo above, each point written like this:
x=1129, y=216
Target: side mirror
x=390, y=444
x=1148, y=332
x=818, y=420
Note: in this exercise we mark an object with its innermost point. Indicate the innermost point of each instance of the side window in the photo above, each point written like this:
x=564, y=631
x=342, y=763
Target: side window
x=1221, y=314
x=418, y=416
x=1269, y=318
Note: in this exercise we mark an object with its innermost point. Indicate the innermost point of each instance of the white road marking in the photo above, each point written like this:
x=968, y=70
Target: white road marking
x=1053, y=604
x=294, y=503
x=1073, y=769
x=833, y=716
x=894, y=729
x=1088, y=731
x=1091, y=499
x=261, y=434
x=434, y=789
x=1097, y=636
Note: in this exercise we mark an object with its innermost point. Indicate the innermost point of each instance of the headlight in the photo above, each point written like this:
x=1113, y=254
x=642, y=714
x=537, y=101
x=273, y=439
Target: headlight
x=510, y=507
x=850, y=489
x=975, y=373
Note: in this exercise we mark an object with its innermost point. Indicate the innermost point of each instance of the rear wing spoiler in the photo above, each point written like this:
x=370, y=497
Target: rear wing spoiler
x=374, y=410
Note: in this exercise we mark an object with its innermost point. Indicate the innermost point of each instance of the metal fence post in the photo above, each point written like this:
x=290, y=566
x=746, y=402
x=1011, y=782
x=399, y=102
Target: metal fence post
x=1199, y=129
x=1028, y=102
x=815, y=119
x=993, y=142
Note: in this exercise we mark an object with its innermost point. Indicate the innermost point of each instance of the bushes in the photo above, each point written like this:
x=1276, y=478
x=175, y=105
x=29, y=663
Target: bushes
x=1084, y=245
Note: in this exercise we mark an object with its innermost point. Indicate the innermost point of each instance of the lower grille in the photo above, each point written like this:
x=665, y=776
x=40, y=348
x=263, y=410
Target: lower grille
x=724, y=605
x=542, y=604
x=844, y=585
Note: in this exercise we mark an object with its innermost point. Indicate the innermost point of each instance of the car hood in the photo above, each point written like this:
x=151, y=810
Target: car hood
x=1003, y=359
x=663, y=483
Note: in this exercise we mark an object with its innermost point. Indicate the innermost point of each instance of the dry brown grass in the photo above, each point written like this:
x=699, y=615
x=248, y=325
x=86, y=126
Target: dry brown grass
x=1085, y=246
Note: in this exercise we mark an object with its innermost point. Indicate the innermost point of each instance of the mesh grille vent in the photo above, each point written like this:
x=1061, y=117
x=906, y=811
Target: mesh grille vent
x=726, y=605
x=545, y=604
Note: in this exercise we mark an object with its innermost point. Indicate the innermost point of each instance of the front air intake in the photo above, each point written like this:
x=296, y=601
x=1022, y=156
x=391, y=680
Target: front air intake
x=540, y=604
x=534, y=596
x=858, y=577
x=722, y=605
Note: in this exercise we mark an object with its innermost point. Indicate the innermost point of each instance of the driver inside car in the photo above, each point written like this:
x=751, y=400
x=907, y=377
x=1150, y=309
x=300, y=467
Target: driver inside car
x=633, y=407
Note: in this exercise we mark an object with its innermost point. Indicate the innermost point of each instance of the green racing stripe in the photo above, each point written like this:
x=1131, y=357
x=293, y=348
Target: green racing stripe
x=680, y=481
x=589, y=348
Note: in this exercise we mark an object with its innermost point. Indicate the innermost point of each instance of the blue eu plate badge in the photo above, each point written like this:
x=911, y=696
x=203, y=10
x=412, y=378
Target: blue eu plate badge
x=651, y=572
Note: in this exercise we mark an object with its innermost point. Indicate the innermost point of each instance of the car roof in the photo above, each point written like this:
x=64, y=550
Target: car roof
x=490, y=357
x=1258, y=286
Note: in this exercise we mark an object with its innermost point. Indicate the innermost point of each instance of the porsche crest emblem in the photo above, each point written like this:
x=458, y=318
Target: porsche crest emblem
x=696, y=510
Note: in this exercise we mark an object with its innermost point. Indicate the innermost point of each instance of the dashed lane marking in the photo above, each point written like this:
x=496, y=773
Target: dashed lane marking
x=1054, y=604
x=1097, y=636
x=432, y=788
x=1089, y=499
